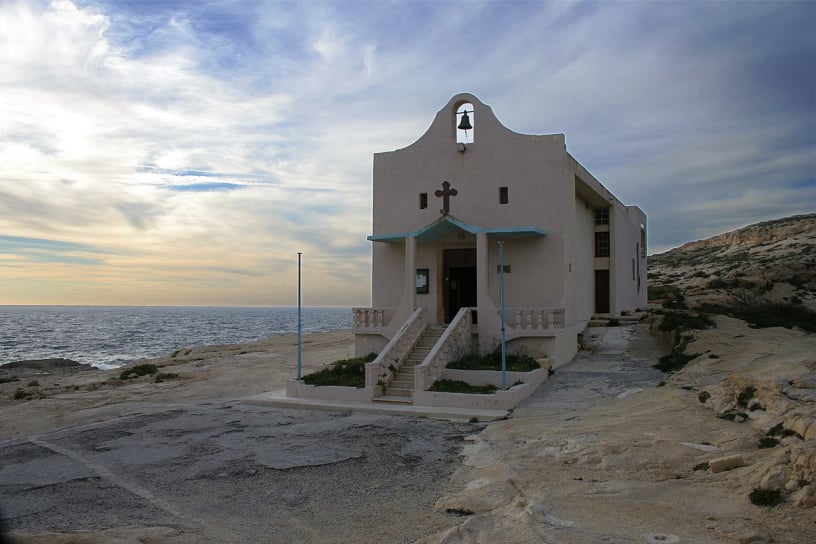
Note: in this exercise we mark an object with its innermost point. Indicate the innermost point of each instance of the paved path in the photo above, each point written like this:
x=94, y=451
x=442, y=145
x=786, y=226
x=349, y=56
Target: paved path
x=606, y=368
x=235, y=473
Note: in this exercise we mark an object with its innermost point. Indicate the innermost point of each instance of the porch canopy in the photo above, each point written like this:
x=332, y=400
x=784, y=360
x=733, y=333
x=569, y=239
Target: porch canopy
x=447, y=224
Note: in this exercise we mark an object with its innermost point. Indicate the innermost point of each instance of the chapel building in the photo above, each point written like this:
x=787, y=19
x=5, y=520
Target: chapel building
x=449, y=206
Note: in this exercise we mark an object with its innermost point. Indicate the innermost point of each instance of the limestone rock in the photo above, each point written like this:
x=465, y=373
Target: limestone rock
x=728, y=462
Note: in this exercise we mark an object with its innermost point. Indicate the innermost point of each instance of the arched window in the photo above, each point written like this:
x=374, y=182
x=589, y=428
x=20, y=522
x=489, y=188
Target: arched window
x=464, y=117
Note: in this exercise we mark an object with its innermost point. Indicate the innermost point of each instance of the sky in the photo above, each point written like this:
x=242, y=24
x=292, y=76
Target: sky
x=182, y=152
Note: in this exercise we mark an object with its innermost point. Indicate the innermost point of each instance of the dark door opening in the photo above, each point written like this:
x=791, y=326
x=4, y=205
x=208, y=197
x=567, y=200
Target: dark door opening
x=460, y=281
x=602, y=291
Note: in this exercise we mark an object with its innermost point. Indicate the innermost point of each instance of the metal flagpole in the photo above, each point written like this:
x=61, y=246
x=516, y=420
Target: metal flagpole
x=501, y=298
x=299, y=321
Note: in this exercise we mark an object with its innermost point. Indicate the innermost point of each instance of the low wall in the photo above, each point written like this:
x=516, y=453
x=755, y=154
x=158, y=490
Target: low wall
x=298, y=389
x=500, y=400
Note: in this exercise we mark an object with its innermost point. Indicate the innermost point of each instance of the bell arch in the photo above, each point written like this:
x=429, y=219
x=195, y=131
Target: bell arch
x=464, y=122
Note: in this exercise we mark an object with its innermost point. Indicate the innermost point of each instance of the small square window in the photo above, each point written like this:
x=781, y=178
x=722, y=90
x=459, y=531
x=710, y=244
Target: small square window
x=504, y=196
x=423, y=201
x=602, y=216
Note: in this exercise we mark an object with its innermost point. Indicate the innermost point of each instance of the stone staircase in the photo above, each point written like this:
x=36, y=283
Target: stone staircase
x=400, y=389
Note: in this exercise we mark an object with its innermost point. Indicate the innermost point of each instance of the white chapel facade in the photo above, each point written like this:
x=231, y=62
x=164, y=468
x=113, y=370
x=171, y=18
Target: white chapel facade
x=571, y=249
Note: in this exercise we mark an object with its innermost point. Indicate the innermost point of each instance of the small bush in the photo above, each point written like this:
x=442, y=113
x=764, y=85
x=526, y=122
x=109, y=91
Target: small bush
x=164, y=376
x=458, y=386
x=780, y=430
x=138, y=371
x=745, y=396
x=684, y=321
x=674, y=361
x=459, y=511
x=344, y=373
x=768, y=314
x=20, y=394
x=661, y=292
x=767, y=442
x=613, y=322
x=765, y=497
x=514, y=362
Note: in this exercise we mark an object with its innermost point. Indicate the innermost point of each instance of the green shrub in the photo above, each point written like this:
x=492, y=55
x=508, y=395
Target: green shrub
x=514, y=362
x=765, y=497
x=458, y=386
x=661, y=292
x=137, y=371
x=684, y=321
x=674, y=361
x=768, y=314
x=767, y=442
x=344, y=373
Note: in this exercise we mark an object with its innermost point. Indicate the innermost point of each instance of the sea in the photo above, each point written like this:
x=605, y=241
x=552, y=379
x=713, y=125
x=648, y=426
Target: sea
x=111, y=336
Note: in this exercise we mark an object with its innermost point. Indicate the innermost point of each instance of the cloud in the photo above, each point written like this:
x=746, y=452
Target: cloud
x=203, y=144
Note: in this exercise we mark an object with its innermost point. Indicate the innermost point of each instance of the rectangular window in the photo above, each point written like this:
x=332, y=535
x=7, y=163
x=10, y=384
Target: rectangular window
x=602, y=216
x=643, y=241
x=504, y=197
x=602, y=244
x=423, y=201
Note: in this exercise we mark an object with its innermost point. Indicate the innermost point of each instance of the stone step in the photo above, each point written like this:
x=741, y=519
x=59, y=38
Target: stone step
x=398, y=392
x=402, y=381
x=388, y=399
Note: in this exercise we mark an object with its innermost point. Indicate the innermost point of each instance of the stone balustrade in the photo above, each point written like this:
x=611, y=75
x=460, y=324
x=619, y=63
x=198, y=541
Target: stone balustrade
x=531, y=319
x=371, y=318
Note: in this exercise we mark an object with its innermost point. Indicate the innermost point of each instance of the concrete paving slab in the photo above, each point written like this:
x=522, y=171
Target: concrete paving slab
x=278, y=398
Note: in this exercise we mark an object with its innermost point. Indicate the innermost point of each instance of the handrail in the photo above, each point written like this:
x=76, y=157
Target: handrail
x=396, y=348
x=446, y=349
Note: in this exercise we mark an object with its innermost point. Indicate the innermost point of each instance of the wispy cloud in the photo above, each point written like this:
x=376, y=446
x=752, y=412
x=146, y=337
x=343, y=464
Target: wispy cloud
x=203, y=144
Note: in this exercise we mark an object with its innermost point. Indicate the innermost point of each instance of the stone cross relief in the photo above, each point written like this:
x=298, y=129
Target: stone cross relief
x=446, y=193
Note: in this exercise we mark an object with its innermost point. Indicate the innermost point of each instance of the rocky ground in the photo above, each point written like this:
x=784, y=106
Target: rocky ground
x=611, y=450
x=719, y=449
x=90, y=458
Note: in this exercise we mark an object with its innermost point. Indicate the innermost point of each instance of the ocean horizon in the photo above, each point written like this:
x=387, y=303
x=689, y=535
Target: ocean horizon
x=112, y=336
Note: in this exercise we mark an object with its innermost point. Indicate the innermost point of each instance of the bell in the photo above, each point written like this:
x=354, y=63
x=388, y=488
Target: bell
x=464, y=124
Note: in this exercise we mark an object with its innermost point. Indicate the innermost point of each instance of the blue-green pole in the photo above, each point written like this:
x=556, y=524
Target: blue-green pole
x=501, y=298
x=299, y=320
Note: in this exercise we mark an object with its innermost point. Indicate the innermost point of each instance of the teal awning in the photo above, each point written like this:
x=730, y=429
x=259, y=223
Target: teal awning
x=448, y=224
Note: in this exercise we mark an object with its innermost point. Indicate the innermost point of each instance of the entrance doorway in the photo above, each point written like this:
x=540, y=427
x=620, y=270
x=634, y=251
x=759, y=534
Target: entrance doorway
x=602, y=291
x=460, y=280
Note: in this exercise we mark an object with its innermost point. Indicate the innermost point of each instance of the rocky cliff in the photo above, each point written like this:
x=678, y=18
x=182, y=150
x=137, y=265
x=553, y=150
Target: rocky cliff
x=771, y=261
